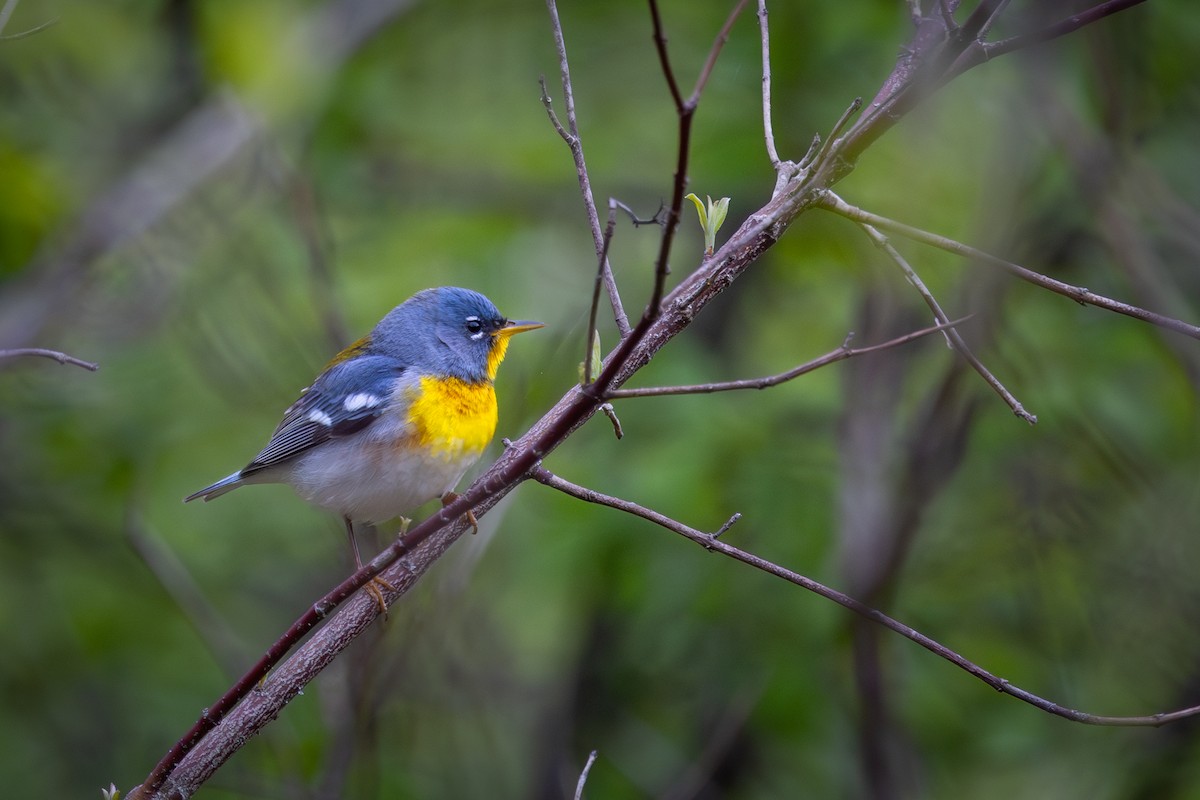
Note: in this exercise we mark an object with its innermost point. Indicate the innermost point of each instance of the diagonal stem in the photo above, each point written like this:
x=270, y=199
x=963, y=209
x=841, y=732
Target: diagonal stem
x=711, y=543
x=831, y=202
x=952, y=336
x=842, y=353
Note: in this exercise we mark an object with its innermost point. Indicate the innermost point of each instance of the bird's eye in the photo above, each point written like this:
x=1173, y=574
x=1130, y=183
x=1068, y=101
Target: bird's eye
x=474, y=325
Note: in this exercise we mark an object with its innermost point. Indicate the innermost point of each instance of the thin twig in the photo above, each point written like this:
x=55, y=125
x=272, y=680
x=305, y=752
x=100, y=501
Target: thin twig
x=611, y=413
x=831, y=202
x=832, y=357
x=714, y=52
x=768, y=129
x=686, y=112
x=583, y=776
x=952, y=336
x=35, y=29
x=985, y=51
x=838, y=127
x=710, y=542
x=589, y=367
x=664, y=60
x=570, y=135
x=61, y=358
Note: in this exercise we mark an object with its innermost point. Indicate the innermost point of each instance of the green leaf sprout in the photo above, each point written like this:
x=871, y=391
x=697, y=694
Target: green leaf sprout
x=711, y=219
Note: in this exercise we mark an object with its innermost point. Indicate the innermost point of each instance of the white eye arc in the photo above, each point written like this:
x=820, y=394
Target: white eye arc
x=474, y=327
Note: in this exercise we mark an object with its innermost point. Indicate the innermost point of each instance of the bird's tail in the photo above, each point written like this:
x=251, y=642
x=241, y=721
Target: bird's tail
x=226, y=484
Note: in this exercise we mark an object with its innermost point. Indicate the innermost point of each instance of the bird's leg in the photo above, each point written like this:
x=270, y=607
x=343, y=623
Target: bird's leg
x=450, y=497
x=375, y=586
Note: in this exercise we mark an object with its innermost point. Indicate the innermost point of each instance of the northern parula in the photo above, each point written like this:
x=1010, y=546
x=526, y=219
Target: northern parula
x=396, y=418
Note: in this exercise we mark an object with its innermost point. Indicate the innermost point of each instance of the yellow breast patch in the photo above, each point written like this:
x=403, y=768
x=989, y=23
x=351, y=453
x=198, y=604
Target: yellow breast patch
x=453, y=418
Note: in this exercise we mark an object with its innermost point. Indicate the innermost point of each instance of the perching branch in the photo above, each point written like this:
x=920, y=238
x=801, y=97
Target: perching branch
x=711, y=543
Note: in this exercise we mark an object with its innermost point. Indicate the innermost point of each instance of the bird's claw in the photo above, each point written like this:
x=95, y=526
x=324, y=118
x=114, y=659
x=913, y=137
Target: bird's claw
x=375, y=587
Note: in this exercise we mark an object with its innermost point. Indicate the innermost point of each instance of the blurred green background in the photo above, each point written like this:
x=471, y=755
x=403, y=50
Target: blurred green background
x=210, y=197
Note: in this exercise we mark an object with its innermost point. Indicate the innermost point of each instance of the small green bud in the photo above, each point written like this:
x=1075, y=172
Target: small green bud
x=711, y=219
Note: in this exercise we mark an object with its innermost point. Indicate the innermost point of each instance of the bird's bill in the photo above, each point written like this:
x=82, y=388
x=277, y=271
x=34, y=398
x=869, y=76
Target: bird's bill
x=519, y=326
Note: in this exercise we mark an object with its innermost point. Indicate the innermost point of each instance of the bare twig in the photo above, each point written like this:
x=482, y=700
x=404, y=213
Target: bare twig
x=952, y=336
x=715, y=51
x=768, y=130
x=985, y=51
x=832, y=202
x=838, y=127
x=30, y=32
x=710, y=542
x=590, y=345
x=570, y=135
x=686, y=111
x=611, y=413
x=583, y=776
x=61, y=358
x=832, y=357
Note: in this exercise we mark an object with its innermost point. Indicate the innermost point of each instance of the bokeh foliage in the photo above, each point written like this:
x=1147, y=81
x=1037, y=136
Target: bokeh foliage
x=1062, y=556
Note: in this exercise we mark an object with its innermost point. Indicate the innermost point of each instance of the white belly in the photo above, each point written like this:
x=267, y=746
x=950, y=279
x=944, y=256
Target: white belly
x=377, y=482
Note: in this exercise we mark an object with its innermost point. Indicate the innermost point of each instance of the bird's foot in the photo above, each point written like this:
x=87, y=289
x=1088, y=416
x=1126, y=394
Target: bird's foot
x=375, y=587
x=450, y=497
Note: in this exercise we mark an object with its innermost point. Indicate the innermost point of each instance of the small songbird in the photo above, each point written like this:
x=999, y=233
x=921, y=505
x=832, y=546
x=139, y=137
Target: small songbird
x=396, y=418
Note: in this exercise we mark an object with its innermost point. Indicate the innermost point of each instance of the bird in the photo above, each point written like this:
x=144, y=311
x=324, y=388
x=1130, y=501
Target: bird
x=395, y=419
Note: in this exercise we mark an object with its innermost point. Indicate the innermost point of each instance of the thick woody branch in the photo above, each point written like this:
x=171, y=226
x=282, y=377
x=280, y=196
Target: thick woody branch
x=712, y=543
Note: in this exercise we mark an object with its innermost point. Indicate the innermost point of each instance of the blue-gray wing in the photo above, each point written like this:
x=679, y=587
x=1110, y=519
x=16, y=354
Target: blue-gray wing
x=343, y=400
